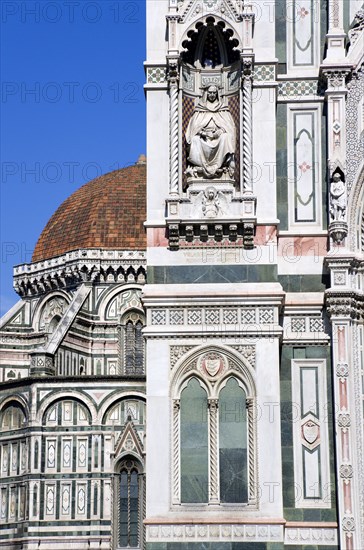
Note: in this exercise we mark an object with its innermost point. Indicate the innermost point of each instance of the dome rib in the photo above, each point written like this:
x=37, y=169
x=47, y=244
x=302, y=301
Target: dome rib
x=107, y=212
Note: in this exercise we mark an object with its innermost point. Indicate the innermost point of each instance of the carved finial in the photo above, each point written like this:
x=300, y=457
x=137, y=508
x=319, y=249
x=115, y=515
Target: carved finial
x=141, y=160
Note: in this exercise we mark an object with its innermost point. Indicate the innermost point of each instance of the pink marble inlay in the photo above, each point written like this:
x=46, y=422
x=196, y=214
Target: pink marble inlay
x=302, y=12
x=347, y=497
x=304, y=167
x=156, y=236
x=343, y=395
x=265, y=234
x=341, y=343
x=302, y=246
x=345, y=445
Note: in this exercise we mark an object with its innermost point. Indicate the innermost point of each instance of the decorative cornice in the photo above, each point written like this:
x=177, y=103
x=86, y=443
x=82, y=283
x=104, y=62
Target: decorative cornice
x=345, y=303
x=336, y=76
x=80, y=266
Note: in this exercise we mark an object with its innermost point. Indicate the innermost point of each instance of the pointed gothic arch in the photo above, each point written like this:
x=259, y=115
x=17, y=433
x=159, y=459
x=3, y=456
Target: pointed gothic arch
x=356, y=214
x=204, y=382
x=129, y=503
x=45, y=302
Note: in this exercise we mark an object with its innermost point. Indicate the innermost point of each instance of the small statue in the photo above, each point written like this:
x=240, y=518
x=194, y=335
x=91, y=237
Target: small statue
x=337, y=198
x=211, y=136
x=210, y=204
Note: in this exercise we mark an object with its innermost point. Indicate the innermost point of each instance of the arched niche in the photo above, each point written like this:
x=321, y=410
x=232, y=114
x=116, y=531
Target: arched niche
x=356, y=214
x=52, y=306
x=210, y=58
x=210, y=43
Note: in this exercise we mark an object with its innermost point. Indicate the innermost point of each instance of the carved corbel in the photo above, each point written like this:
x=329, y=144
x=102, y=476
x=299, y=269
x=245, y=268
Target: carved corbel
x=173, y=233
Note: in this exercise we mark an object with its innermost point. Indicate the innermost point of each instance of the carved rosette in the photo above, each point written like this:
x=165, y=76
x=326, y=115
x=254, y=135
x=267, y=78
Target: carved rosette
x=346, y=471
x=342, y=370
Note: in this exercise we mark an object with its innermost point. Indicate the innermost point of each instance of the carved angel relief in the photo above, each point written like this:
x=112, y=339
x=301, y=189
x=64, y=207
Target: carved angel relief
x=210, y=204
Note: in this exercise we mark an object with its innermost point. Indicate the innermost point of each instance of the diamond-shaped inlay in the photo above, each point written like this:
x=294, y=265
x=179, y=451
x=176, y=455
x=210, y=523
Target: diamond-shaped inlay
x=298, y=324
x=266, y=315
x=316, y=324
x=212, y=316
x=194, y=317
x=176, y=317
x=158, y=317
x=248, y=316
x=336, y=126
x=230, y=316
x=156, y=75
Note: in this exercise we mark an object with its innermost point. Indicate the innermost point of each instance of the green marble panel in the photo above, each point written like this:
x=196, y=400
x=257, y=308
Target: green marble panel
x=233, y=443
x=198, y=274
x=194, y=444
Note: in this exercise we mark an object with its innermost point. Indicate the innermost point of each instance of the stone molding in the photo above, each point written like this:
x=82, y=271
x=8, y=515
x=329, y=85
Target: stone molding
x=227, y=319
x=80, y=266
x=230, y=309
x=298, y=89
x=177, y=531
x=345, y=297
x=214, y=532
x=311, y=535
x=305, y=327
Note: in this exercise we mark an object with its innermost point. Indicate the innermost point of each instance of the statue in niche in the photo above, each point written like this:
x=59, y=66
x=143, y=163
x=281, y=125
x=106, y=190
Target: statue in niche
x=211, y=138
x=210, y=203
x=338, y=198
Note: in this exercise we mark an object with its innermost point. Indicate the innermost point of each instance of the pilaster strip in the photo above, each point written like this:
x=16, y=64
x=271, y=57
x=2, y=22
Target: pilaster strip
x=214, y=460
x=247, y=126
x=176, y=497
x=251, y=450
x=173, y=126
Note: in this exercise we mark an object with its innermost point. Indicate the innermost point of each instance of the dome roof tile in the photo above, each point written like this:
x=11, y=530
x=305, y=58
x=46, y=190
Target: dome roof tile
x=107, y=212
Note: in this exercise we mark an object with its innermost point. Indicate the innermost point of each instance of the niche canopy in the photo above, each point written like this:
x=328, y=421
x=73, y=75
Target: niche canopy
x=210, y=45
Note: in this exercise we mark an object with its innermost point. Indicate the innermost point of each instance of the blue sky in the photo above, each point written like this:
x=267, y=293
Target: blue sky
x=72, y=107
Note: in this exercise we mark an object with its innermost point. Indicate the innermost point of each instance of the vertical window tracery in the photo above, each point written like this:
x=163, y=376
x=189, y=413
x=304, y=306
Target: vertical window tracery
x=194, y=443
x=132, y=344
x=232, y=443
x=214, y=442
x=130, y=505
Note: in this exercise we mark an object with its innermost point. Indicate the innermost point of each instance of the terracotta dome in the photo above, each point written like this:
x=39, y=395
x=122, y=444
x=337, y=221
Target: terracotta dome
x=107, y=212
